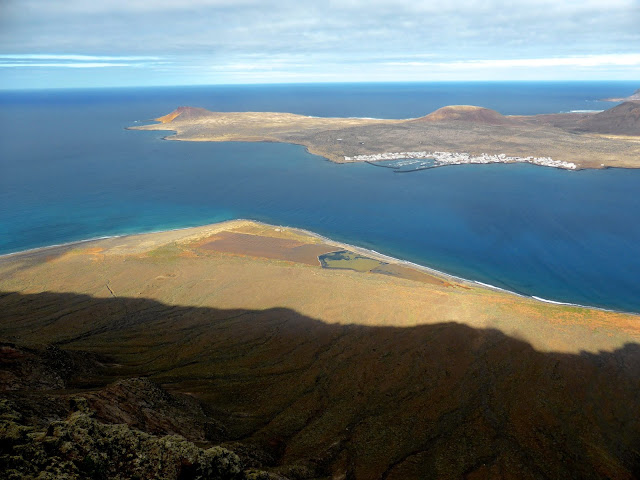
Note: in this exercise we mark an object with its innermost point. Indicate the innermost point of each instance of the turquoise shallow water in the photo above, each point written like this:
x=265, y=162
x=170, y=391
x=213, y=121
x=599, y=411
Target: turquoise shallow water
x=69, y=171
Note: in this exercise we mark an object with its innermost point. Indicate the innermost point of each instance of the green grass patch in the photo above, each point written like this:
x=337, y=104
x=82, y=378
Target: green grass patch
x=166, y=252
x=346, y=260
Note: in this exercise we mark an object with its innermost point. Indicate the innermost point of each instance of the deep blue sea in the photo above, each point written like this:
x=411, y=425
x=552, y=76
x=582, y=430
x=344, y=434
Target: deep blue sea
x=70, y=171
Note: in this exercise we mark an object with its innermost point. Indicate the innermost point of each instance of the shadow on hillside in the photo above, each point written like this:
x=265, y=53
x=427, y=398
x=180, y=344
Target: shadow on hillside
x=444, y=400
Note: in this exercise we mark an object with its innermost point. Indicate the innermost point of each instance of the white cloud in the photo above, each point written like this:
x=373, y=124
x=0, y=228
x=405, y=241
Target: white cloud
x=65, y=65
x=624, y=59
x=370, y=38
x=46, y=60
x=48, y=56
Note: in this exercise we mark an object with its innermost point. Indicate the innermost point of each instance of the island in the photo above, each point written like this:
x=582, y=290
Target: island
x=452, y=135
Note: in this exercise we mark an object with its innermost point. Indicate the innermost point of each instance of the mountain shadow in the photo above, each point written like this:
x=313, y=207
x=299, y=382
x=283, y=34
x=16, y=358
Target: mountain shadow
x=318, y=400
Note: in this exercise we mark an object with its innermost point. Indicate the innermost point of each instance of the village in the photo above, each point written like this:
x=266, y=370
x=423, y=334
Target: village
x=455, y=158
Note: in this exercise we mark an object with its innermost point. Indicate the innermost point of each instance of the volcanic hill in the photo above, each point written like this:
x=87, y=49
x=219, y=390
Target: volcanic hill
x=467, y=113
x=185, y=114
x=623, y=119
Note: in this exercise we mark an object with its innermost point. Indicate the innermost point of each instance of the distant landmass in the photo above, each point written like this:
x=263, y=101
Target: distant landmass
x=634, y=97
x=451, y=135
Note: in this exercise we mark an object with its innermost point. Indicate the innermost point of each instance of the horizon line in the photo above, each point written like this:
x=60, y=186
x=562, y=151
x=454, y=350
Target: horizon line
x=343, y=82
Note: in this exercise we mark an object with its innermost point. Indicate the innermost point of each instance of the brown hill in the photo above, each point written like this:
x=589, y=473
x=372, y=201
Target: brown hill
x=623, y=119
x=466, y=113
x=185, y=113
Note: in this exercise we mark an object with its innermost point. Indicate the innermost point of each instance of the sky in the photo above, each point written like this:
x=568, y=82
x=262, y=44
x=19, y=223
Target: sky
x=80, y=43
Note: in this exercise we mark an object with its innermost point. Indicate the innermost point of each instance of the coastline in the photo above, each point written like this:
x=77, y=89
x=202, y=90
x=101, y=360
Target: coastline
x=372, y=159
x=452, y=135
x=464, y=158
x=345, y=246
x=442, y=159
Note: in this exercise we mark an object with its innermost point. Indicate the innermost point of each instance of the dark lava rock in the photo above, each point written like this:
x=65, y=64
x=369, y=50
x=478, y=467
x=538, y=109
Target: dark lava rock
x=81, y=447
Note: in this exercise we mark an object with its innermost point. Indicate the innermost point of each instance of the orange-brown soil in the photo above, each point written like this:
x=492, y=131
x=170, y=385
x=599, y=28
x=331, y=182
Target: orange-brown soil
x=266, y=247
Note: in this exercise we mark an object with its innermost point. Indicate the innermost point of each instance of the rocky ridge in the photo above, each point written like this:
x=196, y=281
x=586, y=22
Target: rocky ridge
x=81, y=447
x=129, y=429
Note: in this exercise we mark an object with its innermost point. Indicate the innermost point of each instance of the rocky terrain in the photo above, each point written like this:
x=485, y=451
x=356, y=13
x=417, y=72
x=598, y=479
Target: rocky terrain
x=80, y=447
x=133, y=358
x=57, y=423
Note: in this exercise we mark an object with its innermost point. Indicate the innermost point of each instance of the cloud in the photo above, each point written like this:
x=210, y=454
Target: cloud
x=47, y=56
x=300, y=36
x=64, y=65
x=44, y=60
x=341, y=27
x=632, y=59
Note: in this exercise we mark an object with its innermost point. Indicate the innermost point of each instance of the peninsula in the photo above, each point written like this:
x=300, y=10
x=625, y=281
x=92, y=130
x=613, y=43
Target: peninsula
x=634, y=97
x=451, y=135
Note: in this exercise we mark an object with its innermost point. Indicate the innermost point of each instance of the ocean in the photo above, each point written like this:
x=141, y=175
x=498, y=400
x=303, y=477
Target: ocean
x=70, y=171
